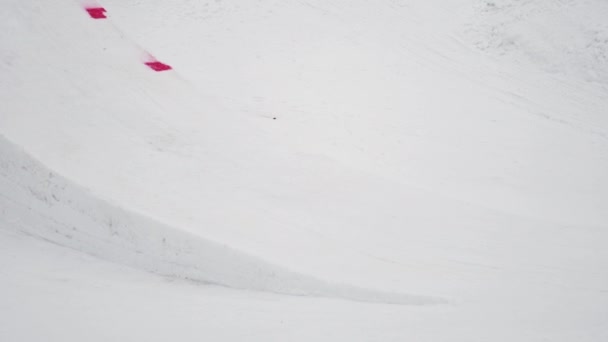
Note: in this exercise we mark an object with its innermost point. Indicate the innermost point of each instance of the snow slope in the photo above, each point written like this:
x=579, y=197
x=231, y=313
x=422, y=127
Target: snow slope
x=406, y=152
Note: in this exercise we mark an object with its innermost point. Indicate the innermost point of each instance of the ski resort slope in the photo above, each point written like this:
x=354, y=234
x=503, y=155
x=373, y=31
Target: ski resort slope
x=304, y=170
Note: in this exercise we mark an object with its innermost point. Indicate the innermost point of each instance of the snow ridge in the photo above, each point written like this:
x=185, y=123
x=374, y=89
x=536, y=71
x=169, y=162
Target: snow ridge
x=40, y=203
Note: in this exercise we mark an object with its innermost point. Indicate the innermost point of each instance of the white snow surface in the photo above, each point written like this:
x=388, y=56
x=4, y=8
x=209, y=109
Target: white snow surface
x=309, y=170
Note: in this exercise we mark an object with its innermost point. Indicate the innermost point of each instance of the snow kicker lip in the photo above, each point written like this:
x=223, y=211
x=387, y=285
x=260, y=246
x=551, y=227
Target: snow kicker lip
x=41, y=203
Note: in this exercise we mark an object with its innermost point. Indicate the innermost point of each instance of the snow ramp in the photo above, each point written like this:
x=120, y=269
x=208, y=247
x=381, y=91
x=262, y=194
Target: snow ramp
x=39, y=202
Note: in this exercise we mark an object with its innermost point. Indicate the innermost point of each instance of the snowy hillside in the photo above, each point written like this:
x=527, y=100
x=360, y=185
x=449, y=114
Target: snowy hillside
x=304, y=170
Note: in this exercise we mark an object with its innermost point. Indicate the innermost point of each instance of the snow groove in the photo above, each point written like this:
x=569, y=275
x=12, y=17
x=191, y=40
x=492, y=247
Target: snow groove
x=38, y=202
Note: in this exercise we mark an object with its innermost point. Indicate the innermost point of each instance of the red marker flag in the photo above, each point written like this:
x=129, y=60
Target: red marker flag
x=158, y=66
x=97, y=12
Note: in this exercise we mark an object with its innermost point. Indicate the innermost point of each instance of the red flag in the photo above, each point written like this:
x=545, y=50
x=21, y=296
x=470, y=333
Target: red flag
x=97, y=12
x=158, y=66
